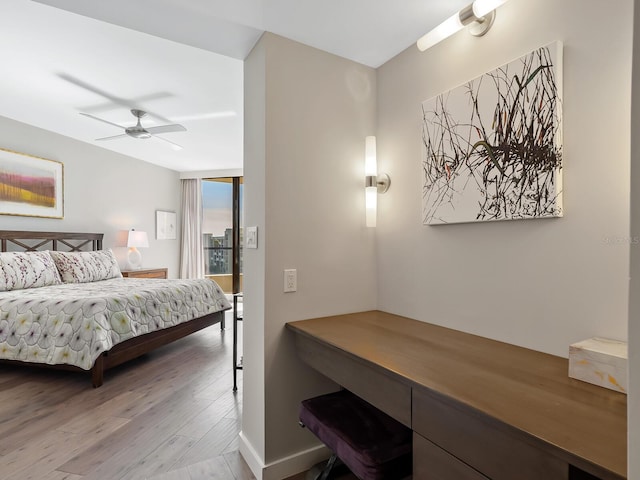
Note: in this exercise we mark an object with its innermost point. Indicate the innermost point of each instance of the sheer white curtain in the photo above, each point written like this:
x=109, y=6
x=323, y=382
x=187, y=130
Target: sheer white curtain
x=192, y=257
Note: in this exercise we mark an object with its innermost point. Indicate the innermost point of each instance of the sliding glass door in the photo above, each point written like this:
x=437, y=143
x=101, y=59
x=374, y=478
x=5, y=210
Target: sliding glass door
x=222, y=231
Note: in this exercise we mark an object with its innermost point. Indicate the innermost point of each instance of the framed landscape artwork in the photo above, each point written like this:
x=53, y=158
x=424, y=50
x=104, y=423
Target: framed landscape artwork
x=492, y=148
x=30, y=186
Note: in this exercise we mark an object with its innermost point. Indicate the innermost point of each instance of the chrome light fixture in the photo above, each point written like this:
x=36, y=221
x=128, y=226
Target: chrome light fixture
x=478, y=17
x=374, y=183
x=135, y=240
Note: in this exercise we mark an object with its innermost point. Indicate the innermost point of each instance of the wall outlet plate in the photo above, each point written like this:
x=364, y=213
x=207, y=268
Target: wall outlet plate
x=290, y=280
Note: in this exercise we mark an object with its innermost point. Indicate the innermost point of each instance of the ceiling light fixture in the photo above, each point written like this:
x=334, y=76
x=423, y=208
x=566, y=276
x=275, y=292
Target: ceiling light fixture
x=478, y=17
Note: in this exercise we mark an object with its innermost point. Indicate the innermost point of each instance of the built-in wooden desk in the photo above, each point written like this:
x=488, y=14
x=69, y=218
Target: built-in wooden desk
x=479, y=408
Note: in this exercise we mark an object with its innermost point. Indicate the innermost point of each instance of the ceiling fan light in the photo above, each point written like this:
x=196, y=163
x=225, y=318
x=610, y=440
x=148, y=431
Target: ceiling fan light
x=137, y=132
x=141, y=133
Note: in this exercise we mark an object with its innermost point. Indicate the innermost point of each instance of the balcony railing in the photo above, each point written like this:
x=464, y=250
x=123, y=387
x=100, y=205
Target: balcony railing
x=221, y=270
x=217, y=260
x=225, y=281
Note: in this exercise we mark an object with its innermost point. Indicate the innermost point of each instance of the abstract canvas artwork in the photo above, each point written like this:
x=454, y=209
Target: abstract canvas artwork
x=30, y=186
x=492, y=148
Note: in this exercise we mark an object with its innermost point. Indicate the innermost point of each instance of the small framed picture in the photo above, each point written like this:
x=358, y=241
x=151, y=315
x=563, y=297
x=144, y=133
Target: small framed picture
x=165, y=225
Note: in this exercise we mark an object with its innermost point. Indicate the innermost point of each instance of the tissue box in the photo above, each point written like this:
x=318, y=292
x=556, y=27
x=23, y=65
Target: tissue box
x=600, y=361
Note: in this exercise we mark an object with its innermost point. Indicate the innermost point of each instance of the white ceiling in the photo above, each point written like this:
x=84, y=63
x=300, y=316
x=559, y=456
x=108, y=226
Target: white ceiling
x=180, y=60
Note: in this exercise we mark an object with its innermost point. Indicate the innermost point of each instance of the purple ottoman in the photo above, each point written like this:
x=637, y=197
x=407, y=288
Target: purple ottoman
x=372, y=444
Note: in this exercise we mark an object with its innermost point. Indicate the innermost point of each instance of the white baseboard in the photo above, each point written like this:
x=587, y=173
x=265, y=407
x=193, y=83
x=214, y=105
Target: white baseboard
x=284, y=467
x=256, y=464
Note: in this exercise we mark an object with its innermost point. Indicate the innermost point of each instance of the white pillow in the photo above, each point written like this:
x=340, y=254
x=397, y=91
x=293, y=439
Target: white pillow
x=83, y=267
x=20, y=270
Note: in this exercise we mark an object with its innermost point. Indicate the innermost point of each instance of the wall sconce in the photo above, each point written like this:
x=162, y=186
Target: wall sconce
x=374, y=183
x=136, y=239
x=478, y=16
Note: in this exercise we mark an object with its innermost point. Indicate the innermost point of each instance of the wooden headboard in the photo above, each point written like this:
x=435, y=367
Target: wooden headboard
x=14, y=241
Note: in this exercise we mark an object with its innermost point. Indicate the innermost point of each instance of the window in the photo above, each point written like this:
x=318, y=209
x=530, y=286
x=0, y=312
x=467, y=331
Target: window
x=222, y=231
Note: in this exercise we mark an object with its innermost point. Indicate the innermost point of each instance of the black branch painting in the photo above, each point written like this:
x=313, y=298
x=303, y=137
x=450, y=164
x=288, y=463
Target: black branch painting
x=492, y=148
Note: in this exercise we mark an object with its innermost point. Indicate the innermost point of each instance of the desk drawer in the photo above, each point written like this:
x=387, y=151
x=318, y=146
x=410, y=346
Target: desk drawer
x=481, y=442
x=430, y=462
x=380, y=390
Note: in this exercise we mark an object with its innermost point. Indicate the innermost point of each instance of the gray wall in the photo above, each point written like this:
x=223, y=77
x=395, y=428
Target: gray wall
x=542, y=284
x=253, y=402
x=104, y=192
x=304, y=184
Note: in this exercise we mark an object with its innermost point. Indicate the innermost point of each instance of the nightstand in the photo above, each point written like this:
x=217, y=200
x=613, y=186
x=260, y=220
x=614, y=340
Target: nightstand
x=145, y=273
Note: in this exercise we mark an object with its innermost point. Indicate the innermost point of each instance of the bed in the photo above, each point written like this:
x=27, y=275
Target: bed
x=65, y=305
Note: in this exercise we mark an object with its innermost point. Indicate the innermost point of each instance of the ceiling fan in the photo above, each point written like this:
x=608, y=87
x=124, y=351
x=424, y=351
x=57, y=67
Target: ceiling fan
x=140, y=132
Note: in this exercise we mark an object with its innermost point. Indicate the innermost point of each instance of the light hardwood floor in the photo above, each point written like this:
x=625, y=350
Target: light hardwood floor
x=170, y=415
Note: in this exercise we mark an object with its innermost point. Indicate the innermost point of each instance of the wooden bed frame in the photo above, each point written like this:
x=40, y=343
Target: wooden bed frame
x=122, y=352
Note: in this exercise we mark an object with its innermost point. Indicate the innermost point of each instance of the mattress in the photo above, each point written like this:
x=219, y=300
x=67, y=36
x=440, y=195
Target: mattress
x=74, y=323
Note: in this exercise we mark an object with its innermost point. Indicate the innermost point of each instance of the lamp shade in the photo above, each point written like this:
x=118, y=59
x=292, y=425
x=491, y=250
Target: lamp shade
x=442, y=31
x=482, y=8
x=370, y=171
x=370, y=163
x=371, y=206
x=478, y=16
x=137, y=239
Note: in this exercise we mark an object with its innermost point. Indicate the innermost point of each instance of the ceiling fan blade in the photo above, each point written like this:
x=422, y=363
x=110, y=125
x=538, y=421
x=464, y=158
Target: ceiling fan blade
x=175, y=146
x=166, y=129
x=102, y=120
x=112, y=137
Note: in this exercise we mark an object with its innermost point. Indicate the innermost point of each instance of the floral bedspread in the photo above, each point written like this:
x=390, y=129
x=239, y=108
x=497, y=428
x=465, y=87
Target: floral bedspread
x=74, y=323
